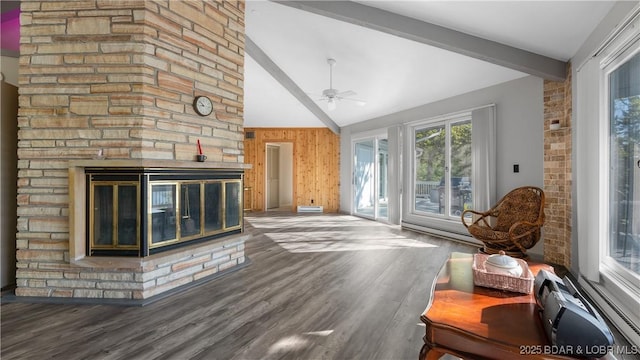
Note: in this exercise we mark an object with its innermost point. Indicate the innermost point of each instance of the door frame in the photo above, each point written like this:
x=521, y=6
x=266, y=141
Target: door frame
x=293, y=172
x=376, y=136
x=270, y=200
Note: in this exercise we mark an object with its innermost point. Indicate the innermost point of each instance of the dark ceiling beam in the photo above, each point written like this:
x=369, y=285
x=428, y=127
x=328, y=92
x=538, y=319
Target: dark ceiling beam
x=435, y=35
x=265, y=61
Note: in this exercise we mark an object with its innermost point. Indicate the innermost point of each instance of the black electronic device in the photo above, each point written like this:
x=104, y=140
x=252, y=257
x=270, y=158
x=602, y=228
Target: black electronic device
x=570, y=322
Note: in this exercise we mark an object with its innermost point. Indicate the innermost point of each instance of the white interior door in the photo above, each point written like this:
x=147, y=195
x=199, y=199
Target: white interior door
x=273, y=176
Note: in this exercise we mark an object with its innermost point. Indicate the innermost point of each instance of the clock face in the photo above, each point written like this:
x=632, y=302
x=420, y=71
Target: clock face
x=203, y=105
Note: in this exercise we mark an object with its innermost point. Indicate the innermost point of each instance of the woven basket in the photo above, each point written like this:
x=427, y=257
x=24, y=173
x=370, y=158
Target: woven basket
x=482, y=277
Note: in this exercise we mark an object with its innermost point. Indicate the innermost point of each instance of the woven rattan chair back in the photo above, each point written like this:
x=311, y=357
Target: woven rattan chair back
x=513, y=225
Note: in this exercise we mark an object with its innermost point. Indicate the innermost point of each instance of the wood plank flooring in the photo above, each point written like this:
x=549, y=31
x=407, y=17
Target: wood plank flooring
x=318, y=287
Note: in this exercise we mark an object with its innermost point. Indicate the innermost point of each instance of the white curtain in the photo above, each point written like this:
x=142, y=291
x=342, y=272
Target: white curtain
x=483, y=144
x=394, y=136
x=587, y=157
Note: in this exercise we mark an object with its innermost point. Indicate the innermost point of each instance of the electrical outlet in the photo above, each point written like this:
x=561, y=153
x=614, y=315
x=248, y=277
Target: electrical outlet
x=516, y=168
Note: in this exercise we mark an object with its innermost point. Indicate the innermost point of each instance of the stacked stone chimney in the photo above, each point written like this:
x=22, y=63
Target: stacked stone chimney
x=120, y=76
x=557, y=171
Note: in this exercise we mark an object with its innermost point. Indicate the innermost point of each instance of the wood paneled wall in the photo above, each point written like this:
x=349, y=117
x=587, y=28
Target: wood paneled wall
x=316, y=169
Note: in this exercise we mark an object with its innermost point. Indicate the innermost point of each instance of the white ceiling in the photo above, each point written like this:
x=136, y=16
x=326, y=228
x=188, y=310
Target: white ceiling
x=389, y=72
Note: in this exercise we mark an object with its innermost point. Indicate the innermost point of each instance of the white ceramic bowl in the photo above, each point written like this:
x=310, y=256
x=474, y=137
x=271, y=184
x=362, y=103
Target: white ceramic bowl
x=503, y=264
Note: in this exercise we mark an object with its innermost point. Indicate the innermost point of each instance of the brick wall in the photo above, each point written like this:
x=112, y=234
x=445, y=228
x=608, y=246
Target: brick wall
x=117, y=75
x=557, y=171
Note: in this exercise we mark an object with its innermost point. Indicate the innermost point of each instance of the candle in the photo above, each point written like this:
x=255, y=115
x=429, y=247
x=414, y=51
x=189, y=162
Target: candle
x=199, y=147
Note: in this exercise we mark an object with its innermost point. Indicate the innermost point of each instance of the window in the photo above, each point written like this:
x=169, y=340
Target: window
x=607, y=152
x=451, y=160
x=623, y=243
x=442, y=177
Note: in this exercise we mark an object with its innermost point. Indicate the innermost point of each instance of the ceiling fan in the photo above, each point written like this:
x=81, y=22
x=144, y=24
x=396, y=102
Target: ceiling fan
x=332, y=96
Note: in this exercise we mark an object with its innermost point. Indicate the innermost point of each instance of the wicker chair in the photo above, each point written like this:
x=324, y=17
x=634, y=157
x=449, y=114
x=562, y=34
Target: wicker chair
x=513, y=225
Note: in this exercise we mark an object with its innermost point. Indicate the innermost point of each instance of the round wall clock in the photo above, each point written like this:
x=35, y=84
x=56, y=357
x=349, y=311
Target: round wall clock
x=202, y=105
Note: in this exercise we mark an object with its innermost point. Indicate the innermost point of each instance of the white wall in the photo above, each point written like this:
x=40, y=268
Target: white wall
x=520, y=118
x=8, y=183
x=9, y=68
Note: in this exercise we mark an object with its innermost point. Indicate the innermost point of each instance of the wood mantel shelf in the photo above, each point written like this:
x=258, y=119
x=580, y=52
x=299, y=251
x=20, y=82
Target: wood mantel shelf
x=474, y=322
x=156, y=163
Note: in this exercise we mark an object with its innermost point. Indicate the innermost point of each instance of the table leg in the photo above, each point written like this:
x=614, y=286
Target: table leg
x=429, y=353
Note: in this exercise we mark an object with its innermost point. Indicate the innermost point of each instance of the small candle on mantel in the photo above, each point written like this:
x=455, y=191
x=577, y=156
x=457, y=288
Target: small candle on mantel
x=199, y=148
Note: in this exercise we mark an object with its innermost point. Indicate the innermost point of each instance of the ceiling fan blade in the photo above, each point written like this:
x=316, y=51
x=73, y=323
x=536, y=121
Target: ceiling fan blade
x=332, y=96
x=357, y=101
x=346, y=93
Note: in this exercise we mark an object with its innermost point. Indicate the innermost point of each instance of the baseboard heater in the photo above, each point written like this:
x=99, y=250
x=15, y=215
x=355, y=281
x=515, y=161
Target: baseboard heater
x=310, y=209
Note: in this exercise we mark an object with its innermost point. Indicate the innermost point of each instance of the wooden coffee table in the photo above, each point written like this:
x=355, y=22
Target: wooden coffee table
x=474, y=322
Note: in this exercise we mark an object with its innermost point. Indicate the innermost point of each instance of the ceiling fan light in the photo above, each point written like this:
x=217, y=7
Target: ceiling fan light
x=331, y=104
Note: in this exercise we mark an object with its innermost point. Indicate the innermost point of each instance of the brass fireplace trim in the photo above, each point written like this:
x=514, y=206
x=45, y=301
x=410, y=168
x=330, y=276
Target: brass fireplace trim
x=78, y=192
x=179, y=210
x=114, y=240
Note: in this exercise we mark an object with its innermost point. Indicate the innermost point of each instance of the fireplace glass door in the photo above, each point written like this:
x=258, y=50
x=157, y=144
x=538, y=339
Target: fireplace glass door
x=163, y=213
x=115, y=215
x=190, y=223
x=140, y=212
x=233, y=210
x=187, y=210
x=213, y=206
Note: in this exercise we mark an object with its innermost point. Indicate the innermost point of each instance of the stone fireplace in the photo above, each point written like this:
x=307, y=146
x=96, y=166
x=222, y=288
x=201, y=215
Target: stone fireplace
x=144, y=211
x=118, y=79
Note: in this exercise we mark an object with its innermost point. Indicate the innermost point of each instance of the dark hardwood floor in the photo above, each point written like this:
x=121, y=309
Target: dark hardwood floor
x=318, y=287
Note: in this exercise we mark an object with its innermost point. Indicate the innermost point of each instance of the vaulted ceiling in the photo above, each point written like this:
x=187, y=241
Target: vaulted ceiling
x=397, y=55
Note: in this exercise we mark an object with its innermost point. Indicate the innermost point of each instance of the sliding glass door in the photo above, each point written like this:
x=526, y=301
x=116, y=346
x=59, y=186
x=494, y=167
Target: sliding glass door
x=370, y=167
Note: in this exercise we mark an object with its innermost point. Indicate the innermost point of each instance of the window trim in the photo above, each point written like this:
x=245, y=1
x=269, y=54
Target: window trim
x=598, y=275
x=447, y=123
x=449, y=227
x=609, y=266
